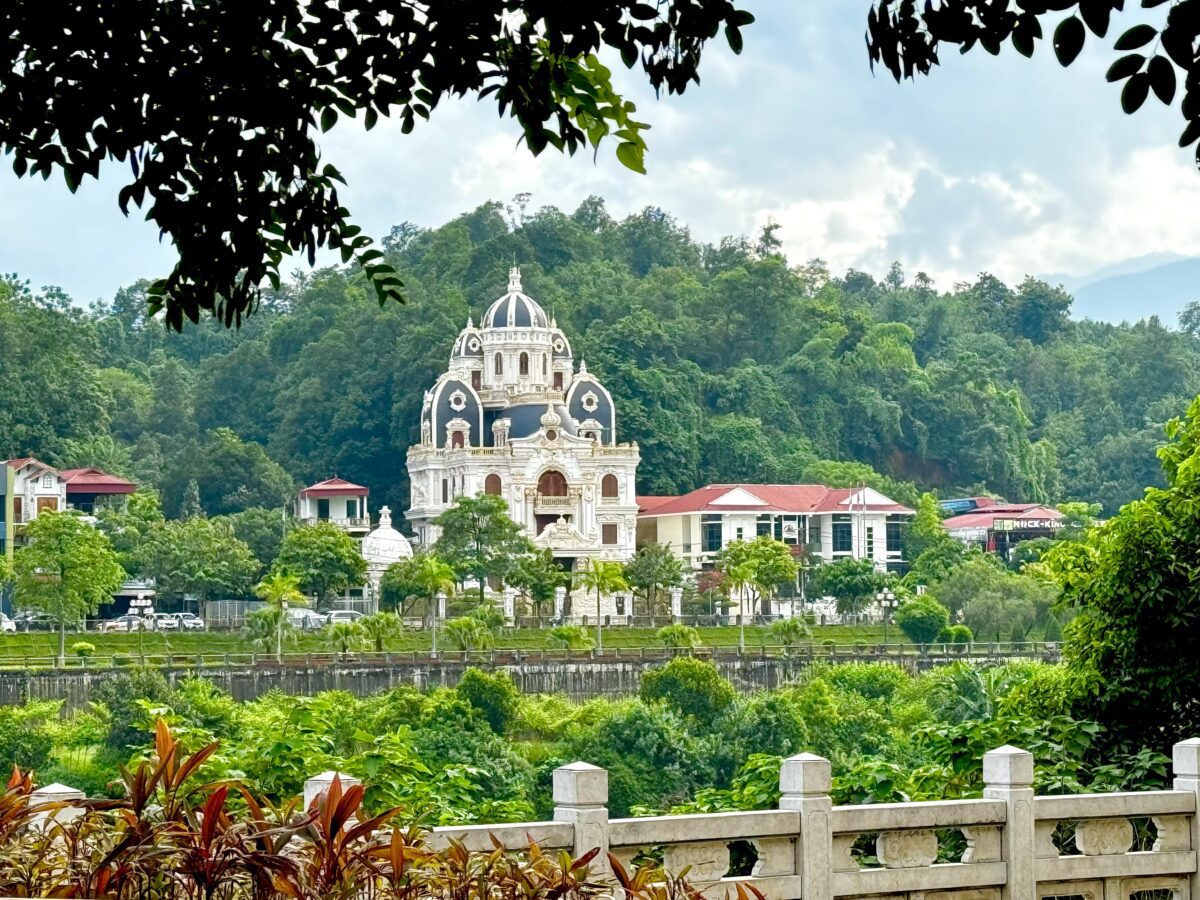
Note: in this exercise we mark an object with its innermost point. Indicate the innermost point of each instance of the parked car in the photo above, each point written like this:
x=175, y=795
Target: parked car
x=7, y=624
x=124, y=623
x=344, y=615
x=305, y=619
x=164, y=622
x=31, y=620
x=188, y=621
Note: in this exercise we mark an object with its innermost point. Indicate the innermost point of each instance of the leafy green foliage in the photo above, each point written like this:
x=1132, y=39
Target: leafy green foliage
x=679, y=636
x=257, y=180
x=419, y=578
x=653, y=570
x=324, y=558
x=571, y=637
x=469, y=633
x=479, y=541
x=853, y=583
x=922, y=619
x=756, y=568
x=197, y=556
x=381, y=627
x=67, y=569
x=119, y=695
x=494, y=695
x=692, y=687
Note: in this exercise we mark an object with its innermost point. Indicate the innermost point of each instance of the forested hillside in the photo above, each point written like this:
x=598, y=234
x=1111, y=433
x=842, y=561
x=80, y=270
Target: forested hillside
x=728, y=363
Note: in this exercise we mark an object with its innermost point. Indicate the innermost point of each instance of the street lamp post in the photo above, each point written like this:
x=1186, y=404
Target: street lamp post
x=283, y=610
x=887, y=602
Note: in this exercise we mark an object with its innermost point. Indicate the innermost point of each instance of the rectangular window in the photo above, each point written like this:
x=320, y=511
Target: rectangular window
x=814, y=534
x=710, y=533
x=739, y=533
x=445, y=491
x=763, y=526
x=893, y=537
x=323, y=509
x=870, y=542
x=608, y=533
x=352, y=508
x=18, y=510
x=620, y=606
x=843, y=535
x=477, y=379
x=47, y=481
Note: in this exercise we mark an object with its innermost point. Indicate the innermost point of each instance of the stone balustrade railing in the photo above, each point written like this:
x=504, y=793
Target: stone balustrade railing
x=1009, y=845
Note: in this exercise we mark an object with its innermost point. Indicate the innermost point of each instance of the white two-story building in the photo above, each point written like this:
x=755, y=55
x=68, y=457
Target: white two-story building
x=821, y=524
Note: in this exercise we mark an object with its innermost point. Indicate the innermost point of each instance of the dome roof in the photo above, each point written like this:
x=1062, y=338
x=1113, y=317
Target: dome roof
x=528, y=418
x=515, y=309
x=385, y=545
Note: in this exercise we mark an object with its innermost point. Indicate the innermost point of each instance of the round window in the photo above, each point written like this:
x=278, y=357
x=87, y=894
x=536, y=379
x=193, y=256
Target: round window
x=551, y=435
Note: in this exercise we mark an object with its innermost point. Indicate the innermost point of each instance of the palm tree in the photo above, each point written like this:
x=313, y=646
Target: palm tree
x=380, y=626
x=345, y=636
x=280, y=590
x=739, y=577
x=469, y=633
x=604, y=577
x=432, y=576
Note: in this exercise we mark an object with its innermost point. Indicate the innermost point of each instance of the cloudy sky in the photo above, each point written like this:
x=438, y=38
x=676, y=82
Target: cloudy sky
x=1000, y=164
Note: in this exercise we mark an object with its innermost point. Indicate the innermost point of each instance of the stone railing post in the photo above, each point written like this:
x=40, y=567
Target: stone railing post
x=804, y=784
x=319, y=784
x=581, y=798
x=1185, y=763
x=1008, y=776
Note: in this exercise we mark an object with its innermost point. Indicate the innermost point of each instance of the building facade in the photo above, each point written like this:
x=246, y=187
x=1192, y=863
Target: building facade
x=513, y=416
x=821, y=524
x=998, y=526
x=338, y=501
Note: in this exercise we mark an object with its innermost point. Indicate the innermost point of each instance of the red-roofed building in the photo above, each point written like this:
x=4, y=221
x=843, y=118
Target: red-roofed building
x=86, y=486
x=338, y=501
x=826, y=523
x=1000, y=526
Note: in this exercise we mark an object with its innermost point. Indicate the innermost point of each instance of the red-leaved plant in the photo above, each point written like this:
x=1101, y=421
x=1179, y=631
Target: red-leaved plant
x=174, y=836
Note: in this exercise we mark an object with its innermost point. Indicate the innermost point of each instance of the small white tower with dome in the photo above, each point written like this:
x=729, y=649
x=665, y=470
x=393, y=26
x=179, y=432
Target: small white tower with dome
x=513, y=416
x=382, y=547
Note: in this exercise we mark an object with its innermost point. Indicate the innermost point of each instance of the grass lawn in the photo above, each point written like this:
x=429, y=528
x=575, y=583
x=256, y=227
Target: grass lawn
x=45, y=644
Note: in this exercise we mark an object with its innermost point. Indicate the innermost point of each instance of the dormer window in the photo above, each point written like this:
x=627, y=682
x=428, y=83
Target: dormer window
x=458, y=401
x=47, y=481
x=590, y=401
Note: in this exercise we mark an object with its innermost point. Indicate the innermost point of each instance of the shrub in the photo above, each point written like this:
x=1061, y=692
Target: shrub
x=25, y=742
x=829, y=644
x=873, y=680
x=679, y=636
x=570, y=637
x=956, y=634
x=692, y=687
x=1053, y=629
x=120, y=695
x=469, y=633
x=922, y=619
x=790, y=632
x=494, y=695
x=83, y=649
x=766, y=722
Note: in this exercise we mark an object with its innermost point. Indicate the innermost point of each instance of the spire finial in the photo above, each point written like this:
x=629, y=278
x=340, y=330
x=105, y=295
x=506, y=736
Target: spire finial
x=514, y=279
x=385, y=516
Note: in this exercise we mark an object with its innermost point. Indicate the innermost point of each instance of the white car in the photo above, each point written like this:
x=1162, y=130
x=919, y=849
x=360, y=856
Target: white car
x=164, y=622
x=305, y=619
x=344, y=615
x=7, y=624
x=187, y=621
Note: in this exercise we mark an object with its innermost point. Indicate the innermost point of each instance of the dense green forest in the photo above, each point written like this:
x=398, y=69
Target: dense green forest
x=728, y=363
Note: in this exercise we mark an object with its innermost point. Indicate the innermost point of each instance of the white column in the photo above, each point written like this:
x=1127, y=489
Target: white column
x=804, y=784
x=510, y=605
x=1008, y=776
x=441, y=605
x=319, y=784
x=676, y=603
x=1185, y=763
x=581, y=798
x=560, y=601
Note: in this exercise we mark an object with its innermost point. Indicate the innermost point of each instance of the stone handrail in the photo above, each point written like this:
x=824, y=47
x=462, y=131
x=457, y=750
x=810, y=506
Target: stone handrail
x=1009, y=845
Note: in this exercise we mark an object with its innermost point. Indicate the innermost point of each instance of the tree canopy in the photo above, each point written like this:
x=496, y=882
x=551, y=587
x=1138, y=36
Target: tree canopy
x=905, y=38
x=216, y=111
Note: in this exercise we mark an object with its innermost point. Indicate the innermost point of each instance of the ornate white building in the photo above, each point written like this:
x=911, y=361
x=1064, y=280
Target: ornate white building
x=382, y=547
x=513, y=416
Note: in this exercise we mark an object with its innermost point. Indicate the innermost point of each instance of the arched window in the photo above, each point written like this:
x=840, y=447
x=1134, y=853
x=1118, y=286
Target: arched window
x=545, y=365
x=523, y=364
x=491, y=485
x=552, y=484
x=456, y=440
x=609, y=488
x=499, y=364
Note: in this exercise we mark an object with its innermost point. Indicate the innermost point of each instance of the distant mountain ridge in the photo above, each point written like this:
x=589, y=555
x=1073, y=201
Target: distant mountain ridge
x=1158, y=284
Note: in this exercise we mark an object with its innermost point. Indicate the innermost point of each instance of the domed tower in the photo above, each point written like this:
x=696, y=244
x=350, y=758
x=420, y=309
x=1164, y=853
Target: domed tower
x=512, y=417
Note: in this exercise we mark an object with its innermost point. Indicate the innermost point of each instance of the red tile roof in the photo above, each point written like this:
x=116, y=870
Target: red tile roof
x=91, y=480
x=24, y=461
x=649, y=501
x=775, y=498
x=334, y=487
x=986, y=518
